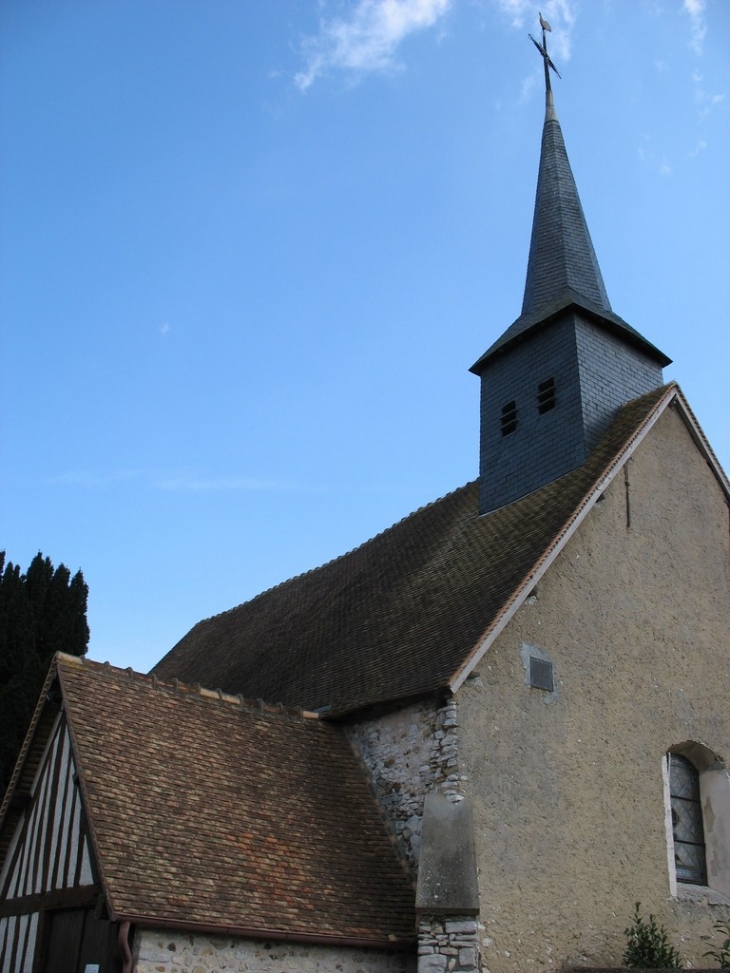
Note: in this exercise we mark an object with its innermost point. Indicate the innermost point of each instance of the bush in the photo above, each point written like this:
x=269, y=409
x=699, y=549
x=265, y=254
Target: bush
x=647, y=946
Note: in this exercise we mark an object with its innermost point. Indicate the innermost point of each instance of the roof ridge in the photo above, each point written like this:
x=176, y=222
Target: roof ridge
x=258, y=706
x=339, y=557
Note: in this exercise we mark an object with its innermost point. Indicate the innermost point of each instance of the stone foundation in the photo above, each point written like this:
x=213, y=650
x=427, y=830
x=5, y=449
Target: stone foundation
x=156, y=951
x=448, y=945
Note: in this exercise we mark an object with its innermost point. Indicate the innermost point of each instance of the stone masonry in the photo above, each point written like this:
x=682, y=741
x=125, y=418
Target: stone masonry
x=157, y=951
x=448, y=945
x=409, y=753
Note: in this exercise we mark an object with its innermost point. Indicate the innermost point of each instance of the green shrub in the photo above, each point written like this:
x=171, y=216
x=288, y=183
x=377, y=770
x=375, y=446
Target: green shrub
x=722, y=955
x=647, y=946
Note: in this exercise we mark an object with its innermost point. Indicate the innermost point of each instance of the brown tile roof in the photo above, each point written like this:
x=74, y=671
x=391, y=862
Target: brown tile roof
x=400, y=615
x=210, y=812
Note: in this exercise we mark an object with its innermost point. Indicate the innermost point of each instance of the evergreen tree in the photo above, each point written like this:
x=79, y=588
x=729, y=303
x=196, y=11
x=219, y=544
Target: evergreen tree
x=41, y=612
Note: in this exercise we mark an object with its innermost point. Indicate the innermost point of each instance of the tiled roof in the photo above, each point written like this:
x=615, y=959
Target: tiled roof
x=211, y=812
x=399, y=616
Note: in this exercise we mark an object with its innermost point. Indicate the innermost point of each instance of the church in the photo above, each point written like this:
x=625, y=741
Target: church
x=472, y=743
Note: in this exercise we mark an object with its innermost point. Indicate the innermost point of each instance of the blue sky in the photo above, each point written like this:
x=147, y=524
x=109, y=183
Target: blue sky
x=249, y=250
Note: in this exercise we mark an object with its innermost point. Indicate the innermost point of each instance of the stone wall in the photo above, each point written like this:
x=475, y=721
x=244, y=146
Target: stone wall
x=448, y=945
x=409, y=753
x=158, y=951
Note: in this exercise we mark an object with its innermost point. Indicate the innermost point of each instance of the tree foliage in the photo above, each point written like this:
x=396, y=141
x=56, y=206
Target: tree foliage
x=41, y=612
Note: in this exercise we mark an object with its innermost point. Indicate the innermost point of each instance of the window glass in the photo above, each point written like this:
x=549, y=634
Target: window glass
x=689, y=836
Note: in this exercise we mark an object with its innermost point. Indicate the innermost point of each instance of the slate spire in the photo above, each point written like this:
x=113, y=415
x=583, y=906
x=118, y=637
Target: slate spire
x=555, y=379
x=562, y=266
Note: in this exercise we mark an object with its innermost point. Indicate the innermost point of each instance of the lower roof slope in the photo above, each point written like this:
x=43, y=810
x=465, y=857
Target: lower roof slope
x=210, y=812
x=400, y=615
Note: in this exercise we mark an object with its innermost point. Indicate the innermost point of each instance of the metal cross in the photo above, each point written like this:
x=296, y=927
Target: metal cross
x=542, y=48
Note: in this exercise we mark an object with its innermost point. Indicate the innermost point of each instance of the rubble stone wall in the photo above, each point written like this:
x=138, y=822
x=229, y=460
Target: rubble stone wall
x=409, y=753
x=158, y=951
x=448, y=945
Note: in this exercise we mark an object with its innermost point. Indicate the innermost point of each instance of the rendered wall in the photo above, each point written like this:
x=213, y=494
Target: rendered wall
x=165, y=952
x=567, y=787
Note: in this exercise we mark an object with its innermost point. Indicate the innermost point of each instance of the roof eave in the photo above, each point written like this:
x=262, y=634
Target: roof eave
x=252, y=932
x=606, y=319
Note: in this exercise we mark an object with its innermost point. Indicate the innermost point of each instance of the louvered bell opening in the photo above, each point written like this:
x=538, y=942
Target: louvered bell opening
x=546, y=396
x=509, y=418
x=541, y=674
x=687, y=827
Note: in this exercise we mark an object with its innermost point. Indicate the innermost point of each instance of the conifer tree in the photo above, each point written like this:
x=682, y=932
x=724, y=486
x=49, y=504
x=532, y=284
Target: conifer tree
x=41, y=612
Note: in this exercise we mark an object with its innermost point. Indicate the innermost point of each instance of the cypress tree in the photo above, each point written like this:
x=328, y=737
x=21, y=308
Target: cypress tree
x=41, y=612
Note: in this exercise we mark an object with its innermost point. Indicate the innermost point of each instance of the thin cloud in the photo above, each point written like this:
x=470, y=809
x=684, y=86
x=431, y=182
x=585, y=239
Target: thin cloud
x=649, y=157
x=90, y=480
x=217, y=484
x=695, y=10
x=165, y=328
x=528, y=86
x=175, y=481
x=706, y=103
x=700, y=147
x=368, y=39
x=560, y=14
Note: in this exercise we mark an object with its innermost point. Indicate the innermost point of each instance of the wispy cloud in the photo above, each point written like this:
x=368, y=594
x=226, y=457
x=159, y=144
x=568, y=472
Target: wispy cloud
x=226, y=484
x=164, y=328
x=649, y=157
x=368, y=38
x=172, y=481
x=695, y=10
x=90, y=480
x=560, y=14
x=528, y=86
x=705, y=102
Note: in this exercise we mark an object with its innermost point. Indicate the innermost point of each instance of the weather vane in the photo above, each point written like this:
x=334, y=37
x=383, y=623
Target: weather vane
x=542, y=48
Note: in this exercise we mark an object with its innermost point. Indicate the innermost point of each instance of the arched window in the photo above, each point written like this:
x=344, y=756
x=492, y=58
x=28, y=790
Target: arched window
x=697, y=803
x=687, y=829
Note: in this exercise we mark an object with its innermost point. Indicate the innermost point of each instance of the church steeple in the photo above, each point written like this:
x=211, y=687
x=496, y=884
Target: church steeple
x=556, y=377
x=562, y=265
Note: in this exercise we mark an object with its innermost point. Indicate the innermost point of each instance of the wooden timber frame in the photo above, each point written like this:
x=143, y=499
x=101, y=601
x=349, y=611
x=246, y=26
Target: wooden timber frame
x=53, y=912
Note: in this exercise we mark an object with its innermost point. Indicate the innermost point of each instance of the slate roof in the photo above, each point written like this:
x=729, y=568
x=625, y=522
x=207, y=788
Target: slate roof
x=401, y=615
x=210, y=812
x=561, y=251
x=562, y=268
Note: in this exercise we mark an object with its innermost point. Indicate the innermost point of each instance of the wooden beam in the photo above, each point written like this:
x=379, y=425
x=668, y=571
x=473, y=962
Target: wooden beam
x=75, y=898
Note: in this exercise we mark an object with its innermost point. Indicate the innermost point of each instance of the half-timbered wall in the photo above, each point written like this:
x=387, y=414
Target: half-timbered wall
x=49, y=861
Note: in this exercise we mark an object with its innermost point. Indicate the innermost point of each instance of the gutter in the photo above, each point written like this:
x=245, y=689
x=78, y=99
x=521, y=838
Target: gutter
x=247, y=932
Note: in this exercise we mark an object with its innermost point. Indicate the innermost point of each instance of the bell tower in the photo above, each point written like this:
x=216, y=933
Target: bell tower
x=554, y=380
